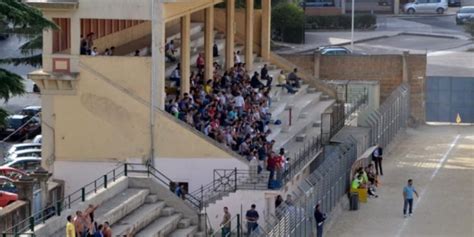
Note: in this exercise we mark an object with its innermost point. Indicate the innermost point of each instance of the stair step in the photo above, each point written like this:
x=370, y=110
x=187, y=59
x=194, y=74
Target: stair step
x=317, y=124
x=168, y=211
x=325, y=97
x=311, y=90
x=200, y=234
x=161, y=227
x=151, y=198
x=303, y=115
x=184, y=223
x=300, y=137
x=121, y=205
x=185, y=232
x=138, y=219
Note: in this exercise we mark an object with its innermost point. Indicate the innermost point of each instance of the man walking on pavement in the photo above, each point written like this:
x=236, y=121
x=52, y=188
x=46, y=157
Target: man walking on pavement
x=408, y=198
x=377, y=157
x=320, y=217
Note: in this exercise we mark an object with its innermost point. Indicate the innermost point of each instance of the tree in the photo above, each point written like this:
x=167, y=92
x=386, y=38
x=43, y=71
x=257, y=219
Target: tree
x=288, y=22
x=17, y=17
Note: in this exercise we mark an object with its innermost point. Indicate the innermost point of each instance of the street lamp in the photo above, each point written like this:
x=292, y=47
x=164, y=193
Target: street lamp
x=352, y=26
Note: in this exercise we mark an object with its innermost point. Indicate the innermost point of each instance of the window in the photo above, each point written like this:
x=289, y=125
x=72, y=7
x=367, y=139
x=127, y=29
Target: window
x=32, y=165
x=18, y=165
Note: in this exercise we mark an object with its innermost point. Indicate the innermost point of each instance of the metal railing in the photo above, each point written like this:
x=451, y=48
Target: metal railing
x=302, y=158
x=391, y=117
x=235, y=229
x=326, y=185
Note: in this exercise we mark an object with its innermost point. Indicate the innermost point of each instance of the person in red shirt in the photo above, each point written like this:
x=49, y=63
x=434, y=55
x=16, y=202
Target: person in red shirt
x=200, y=62
x=272, y=164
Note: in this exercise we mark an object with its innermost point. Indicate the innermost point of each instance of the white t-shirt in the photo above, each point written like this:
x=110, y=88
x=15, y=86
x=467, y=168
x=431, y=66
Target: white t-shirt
x=239, y=101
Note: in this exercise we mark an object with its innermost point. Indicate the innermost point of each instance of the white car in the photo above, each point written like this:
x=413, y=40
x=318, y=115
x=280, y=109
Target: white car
x=426, y=6
x=23, y=153
x=26, y=164
x=38, y=139
x=23, y=146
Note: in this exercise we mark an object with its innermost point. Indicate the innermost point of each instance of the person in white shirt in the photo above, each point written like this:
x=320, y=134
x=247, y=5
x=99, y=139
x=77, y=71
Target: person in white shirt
x=237, y=57
x=239, y=103
x=94, y=51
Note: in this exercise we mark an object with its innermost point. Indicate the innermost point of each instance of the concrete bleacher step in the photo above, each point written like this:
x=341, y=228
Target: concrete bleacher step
x=138, y=219
x=190, y=231
x=200, y=234
x=161, y=227
x=311, y=90
x=121, y=205
x=300, y=137
x=184, y=223
x=152, y=198
x=168, y=211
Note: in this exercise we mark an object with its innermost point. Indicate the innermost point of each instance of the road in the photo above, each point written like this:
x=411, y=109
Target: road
x=440, y=160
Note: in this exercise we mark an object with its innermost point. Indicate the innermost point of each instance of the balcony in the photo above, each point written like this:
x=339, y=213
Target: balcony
x=54, y=4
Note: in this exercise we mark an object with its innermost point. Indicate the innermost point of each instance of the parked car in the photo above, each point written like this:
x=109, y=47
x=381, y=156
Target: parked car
x=6, y=198
x=334, y=50
x=15, y=122
x=6, y=184
x=31, y=111
x=38, y=139
x=23, y=146
x=454, y=3
x=35, y=152
x=465, y=14
x=26, y=164
x=317, y=3
x=426, y=6
x=11, y=173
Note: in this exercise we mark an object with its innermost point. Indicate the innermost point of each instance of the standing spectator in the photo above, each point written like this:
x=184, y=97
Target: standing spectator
x=83, y=49
x=176, y=75
x=70, y=230
x=89, y=212
x=180, y=192
x=237, y=59
x=215, y=50
x=289, y=200
x=107, y=230
x=320, y=217
x=408, y=198
x=377, y=157
x=252, y=219
x=90, y=40
x=170, y=51
x=271, y=166
x=278, y=201
x=99, y=231
x=293, y=78
x=225, y=224
x=80, y=225
x=264, y=71
x=200, y=62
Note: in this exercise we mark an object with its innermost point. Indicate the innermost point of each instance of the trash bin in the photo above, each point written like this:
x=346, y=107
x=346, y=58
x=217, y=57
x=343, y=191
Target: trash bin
x=354, y=201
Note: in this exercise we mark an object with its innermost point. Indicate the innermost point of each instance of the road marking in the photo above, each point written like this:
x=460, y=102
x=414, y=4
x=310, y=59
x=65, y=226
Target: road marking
x=435, y=172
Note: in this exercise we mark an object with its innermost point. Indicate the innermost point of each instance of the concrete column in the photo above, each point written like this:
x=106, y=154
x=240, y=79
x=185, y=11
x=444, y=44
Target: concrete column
x=249, y=35
x=209, y=40
x=229, y=34
x=47, y=48
x=396, y=7
x=47, y=130
x=185, y=53
x=158, y=54
x=42, y=176
x=75, y=35
x=317, y=60
x=266, y=28
x=24, y=188
x=405, y=66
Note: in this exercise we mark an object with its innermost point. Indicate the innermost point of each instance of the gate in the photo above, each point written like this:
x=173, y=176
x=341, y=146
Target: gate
x=446, y=97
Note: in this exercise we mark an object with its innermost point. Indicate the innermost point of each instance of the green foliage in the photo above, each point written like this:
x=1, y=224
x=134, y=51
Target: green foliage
x=364, y=21
x=288, y=22
x=10, y=85
x=469, y=27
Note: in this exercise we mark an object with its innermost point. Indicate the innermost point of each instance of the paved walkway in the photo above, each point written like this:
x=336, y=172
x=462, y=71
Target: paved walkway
x=440, y=159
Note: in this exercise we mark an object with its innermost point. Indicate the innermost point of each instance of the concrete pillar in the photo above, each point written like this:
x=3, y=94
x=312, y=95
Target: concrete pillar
x=185, y=53
x=249, y=34
x=158, y=54
x=47, y=48
x=317, y=62
x=24, y=188
x=405, y=66
x=396, y=7
x=75, y=35
x=209, y=42
x=229, y=34
x=47, y=130
x=42, y=176
x=266, y=29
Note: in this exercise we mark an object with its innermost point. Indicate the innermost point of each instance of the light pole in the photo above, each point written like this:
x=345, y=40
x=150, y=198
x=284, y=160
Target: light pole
x=304, y=21
x=352, y=26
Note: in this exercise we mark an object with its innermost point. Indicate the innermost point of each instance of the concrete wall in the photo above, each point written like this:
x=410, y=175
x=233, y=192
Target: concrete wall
x=387, y=69
x=124, y=36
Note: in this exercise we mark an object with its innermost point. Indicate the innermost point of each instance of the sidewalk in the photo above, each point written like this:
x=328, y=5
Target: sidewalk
x=440, y=160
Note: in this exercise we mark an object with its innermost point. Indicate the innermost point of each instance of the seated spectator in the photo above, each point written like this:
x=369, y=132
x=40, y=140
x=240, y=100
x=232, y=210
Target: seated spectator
x=215, y=50
x=170, y=51
x=293, y=78
x=94, y=52
x=282, y=82
x=137, y=52
x=107, y=52
x=357, y=181
x=264, y=71
x=112, y=51
x=255, y=81
x=200, y=62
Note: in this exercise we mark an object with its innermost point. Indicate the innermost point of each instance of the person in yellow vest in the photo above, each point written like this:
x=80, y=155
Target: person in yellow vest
x=357, y=181
x=70, y=230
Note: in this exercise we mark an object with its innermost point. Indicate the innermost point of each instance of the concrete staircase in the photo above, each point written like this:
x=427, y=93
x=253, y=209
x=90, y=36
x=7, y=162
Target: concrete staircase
x=142, y=209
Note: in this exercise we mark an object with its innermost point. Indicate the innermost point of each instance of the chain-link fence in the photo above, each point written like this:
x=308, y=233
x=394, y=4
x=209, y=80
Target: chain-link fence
x=325, y=185
x=390, y=118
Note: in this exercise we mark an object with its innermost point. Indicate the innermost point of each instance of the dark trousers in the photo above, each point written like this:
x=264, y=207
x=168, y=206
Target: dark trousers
x=378, y=165
x=319, y=229
x=270, y=178
x=251, y=226
x=225, y=232
x=408, y=203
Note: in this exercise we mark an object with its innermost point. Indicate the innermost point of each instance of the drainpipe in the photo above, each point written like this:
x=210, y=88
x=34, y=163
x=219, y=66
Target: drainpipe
x=154, y=79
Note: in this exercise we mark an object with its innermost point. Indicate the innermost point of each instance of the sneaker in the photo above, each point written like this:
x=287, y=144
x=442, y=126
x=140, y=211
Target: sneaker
x=410, y=214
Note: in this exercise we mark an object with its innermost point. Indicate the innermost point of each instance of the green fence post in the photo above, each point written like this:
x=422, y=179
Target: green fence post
x=32, y=223
x=4, y=234
x=83, y=194
x=238, y=225
x=105, y=181
x=125, y=169
x=58, y=208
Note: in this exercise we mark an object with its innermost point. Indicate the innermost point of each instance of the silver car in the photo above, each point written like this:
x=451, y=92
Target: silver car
x=465, y=14
x=426, y=6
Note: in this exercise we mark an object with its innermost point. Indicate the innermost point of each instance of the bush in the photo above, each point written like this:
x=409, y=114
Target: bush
x=338, y=22
x=288, y=23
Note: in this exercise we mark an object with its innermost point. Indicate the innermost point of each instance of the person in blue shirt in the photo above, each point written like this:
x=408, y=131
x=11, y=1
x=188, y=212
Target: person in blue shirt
x=408, y=198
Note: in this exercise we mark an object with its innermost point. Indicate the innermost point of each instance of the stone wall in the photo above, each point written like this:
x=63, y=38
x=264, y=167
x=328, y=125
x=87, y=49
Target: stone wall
x=389, y=70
